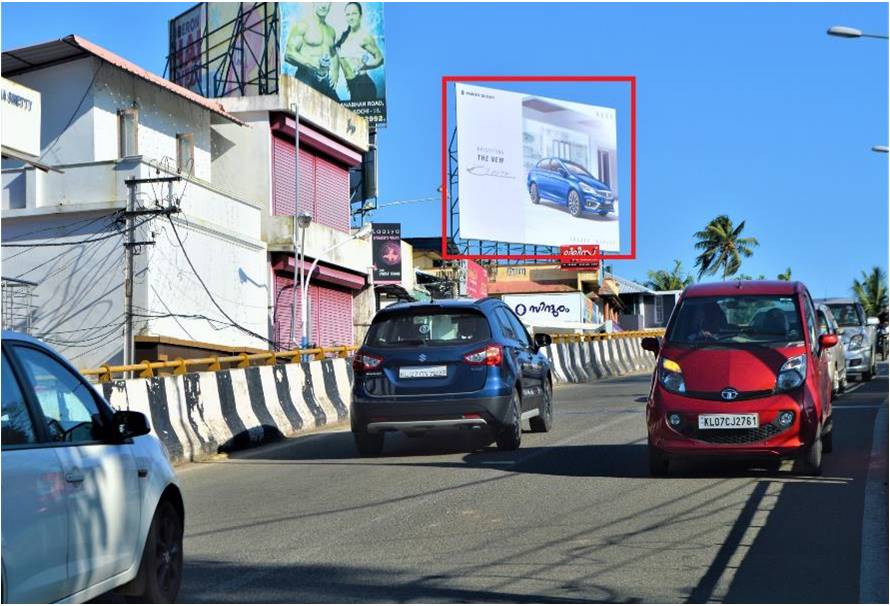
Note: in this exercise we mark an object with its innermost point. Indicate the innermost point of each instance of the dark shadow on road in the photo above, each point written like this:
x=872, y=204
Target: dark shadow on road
x=215, y=581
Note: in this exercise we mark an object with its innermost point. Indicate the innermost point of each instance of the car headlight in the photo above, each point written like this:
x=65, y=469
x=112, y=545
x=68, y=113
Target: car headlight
x=587, y=189
x=857, y=341
x=792, y=374
x=671, y=376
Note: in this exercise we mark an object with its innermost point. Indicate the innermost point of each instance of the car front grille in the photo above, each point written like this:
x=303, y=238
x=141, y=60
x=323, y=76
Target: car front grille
x=731, y=436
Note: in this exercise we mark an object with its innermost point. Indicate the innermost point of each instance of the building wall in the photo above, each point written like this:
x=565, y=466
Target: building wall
x=162, y=115
x=62, y=88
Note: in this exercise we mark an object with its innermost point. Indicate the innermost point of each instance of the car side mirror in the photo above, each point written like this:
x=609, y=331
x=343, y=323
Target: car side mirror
x=872, y=321
x=826, y=341
x=129, y=424
x=543, y=339
x=651, y=344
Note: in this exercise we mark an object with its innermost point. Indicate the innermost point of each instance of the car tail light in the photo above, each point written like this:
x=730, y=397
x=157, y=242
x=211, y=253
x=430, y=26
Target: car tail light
x=363, y=362
x=490, y=355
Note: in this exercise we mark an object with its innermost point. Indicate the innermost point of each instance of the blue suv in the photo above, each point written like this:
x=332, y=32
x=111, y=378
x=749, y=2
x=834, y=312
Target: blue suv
x=449, y=365
x=570, y=185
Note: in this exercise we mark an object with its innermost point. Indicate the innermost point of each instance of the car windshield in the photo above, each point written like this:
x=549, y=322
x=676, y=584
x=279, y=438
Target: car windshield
x=741, y=319
x=577, y=169
x=846, y=314
x=428, y=328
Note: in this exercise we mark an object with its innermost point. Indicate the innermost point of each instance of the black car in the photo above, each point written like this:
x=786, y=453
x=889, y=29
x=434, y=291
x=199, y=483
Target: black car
x=450, y=365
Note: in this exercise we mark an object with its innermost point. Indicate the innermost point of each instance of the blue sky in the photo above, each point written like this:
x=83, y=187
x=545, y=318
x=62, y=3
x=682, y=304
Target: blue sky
x=744, y=109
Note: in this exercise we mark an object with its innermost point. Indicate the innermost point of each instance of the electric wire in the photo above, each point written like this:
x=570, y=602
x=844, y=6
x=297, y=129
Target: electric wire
x=207, y=290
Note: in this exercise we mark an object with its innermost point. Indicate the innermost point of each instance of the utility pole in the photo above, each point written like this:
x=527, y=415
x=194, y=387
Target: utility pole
x=130, y=247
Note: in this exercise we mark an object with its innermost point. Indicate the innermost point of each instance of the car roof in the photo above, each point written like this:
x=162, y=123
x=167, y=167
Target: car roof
x=743, y=287
x=20, y=336
x=441, y=303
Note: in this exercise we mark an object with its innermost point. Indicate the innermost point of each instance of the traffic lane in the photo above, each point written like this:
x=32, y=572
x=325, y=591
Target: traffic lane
x=570, y=516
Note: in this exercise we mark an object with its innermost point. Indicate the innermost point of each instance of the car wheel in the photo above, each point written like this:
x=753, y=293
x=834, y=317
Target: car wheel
x=659, y=463
x=811, y=458
x=533, y=191
x=160, y=572
x=510, y=435
x=544, y=421
x=574, y=203
x=368, y=444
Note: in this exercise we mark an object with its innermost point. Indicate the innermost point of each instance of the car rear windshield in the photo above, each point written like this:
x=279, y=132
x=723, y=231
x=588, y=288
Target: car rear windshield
x=846, y=314
x=428, y=328
x=736, y=320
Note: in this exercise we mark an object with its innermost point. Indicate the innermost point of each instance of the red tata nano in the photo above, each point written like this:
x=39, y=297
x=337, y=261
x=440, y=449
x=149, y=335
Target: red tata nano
x=741, y=371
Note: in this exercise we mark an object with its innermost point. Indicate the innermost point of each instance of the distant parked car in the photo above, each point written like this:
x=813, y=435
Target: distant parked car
x=90, y=501
x=568, y=184
x=858, y=334
x=449, y=365
x=741, y=372
x=838, y=367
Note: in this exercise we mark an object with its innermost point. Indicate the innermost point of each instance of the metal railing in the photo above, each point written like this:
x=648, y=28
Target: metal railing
x=147, y=369
x=624, y=334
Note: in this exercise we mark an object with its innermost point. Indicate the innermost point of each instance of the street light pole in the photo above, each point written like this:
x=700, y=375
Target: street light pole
x=361, y=234
x=842, y=31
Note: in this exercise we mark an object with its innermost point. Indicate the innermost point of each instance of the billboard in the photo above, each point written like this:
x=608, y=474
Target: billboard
x=546, y=168
x=187, y=40
x=579, y=256
x=339, y=50
x=553, y=308
x=386, y=250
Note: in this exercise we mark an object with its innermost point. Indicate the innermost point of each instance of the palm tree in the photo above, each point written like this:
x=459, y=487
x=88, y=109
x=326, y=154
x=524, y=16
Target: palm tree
x=872, y=291
x=722, y=247
x=786, y=275
x=669, y=280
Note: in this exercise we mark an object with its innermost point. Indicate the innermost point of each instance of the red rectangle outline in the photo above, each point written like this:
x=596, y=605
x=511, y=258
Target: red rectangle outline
x=632, y=80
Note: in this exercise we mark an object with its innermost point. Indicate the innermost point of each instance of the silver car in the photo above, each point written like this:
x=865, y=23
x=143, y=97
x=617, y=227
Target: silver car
x=837, y=369
x=858, y=334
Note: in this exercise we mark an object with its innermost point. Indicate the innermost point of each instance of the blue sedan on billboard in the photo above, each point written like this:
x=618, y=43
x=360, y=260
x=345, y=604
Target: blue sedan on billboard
x=569, y=184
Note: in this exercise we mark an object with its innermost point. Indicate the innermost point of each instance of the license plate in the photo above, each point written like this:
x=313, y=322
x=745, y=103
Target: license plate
x=422, y=372
x=725, y=421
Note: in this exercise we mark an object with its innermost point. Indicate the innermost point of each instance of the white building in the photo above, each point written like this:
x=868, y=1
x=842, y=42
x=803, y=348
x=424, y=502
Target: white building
x=104, y=120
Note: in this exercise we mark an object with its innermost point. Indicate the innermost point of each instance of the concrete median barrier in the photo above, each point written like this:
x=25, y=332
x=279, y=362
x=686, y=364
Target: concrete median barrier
x=197, y=415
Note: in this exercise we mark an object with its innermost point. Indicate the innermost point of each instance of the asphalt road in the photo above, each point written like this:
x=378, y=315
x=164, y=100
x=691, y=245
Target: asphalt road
x=571, y=516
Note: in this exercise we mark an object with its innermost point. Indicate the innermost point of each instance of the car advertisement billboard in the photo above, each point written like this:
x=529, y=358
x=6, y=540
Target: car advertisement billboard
x=386, y=250
x=546, y=168
x=339, y=50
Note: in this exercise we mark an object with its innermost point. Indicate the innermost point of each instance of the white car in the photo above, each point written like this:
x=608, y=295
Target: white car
x=837, y=367
x=90, y=501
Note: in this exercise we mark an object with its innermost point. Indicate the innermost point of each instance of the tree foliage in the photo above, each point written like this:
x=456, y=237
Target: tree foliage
x=722, y=247
x=872, y=291
x=675, y=279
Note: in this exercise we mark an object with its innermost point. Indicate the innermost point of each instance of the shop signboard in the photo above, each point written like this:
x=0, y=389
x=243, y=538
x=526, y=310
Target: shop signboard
x=576, y=257
x=475, y=280
x=552, y=308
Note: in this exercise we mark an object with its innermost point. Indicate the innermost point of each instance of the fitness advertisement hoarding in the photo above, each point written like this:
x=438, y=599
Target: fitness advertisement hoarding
x=339, y=50
x=546, y=168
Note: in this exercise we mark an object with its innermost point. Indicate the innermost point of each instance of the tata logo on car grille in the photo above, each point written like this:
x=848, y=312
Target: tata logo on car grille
x=422, y=357
x=729, y=394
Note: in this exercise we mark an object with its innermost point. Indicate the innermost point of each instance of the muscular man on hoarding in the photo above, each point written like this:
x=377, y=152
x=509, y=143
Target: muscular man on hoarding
x=359, y=53
x=310, y=48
